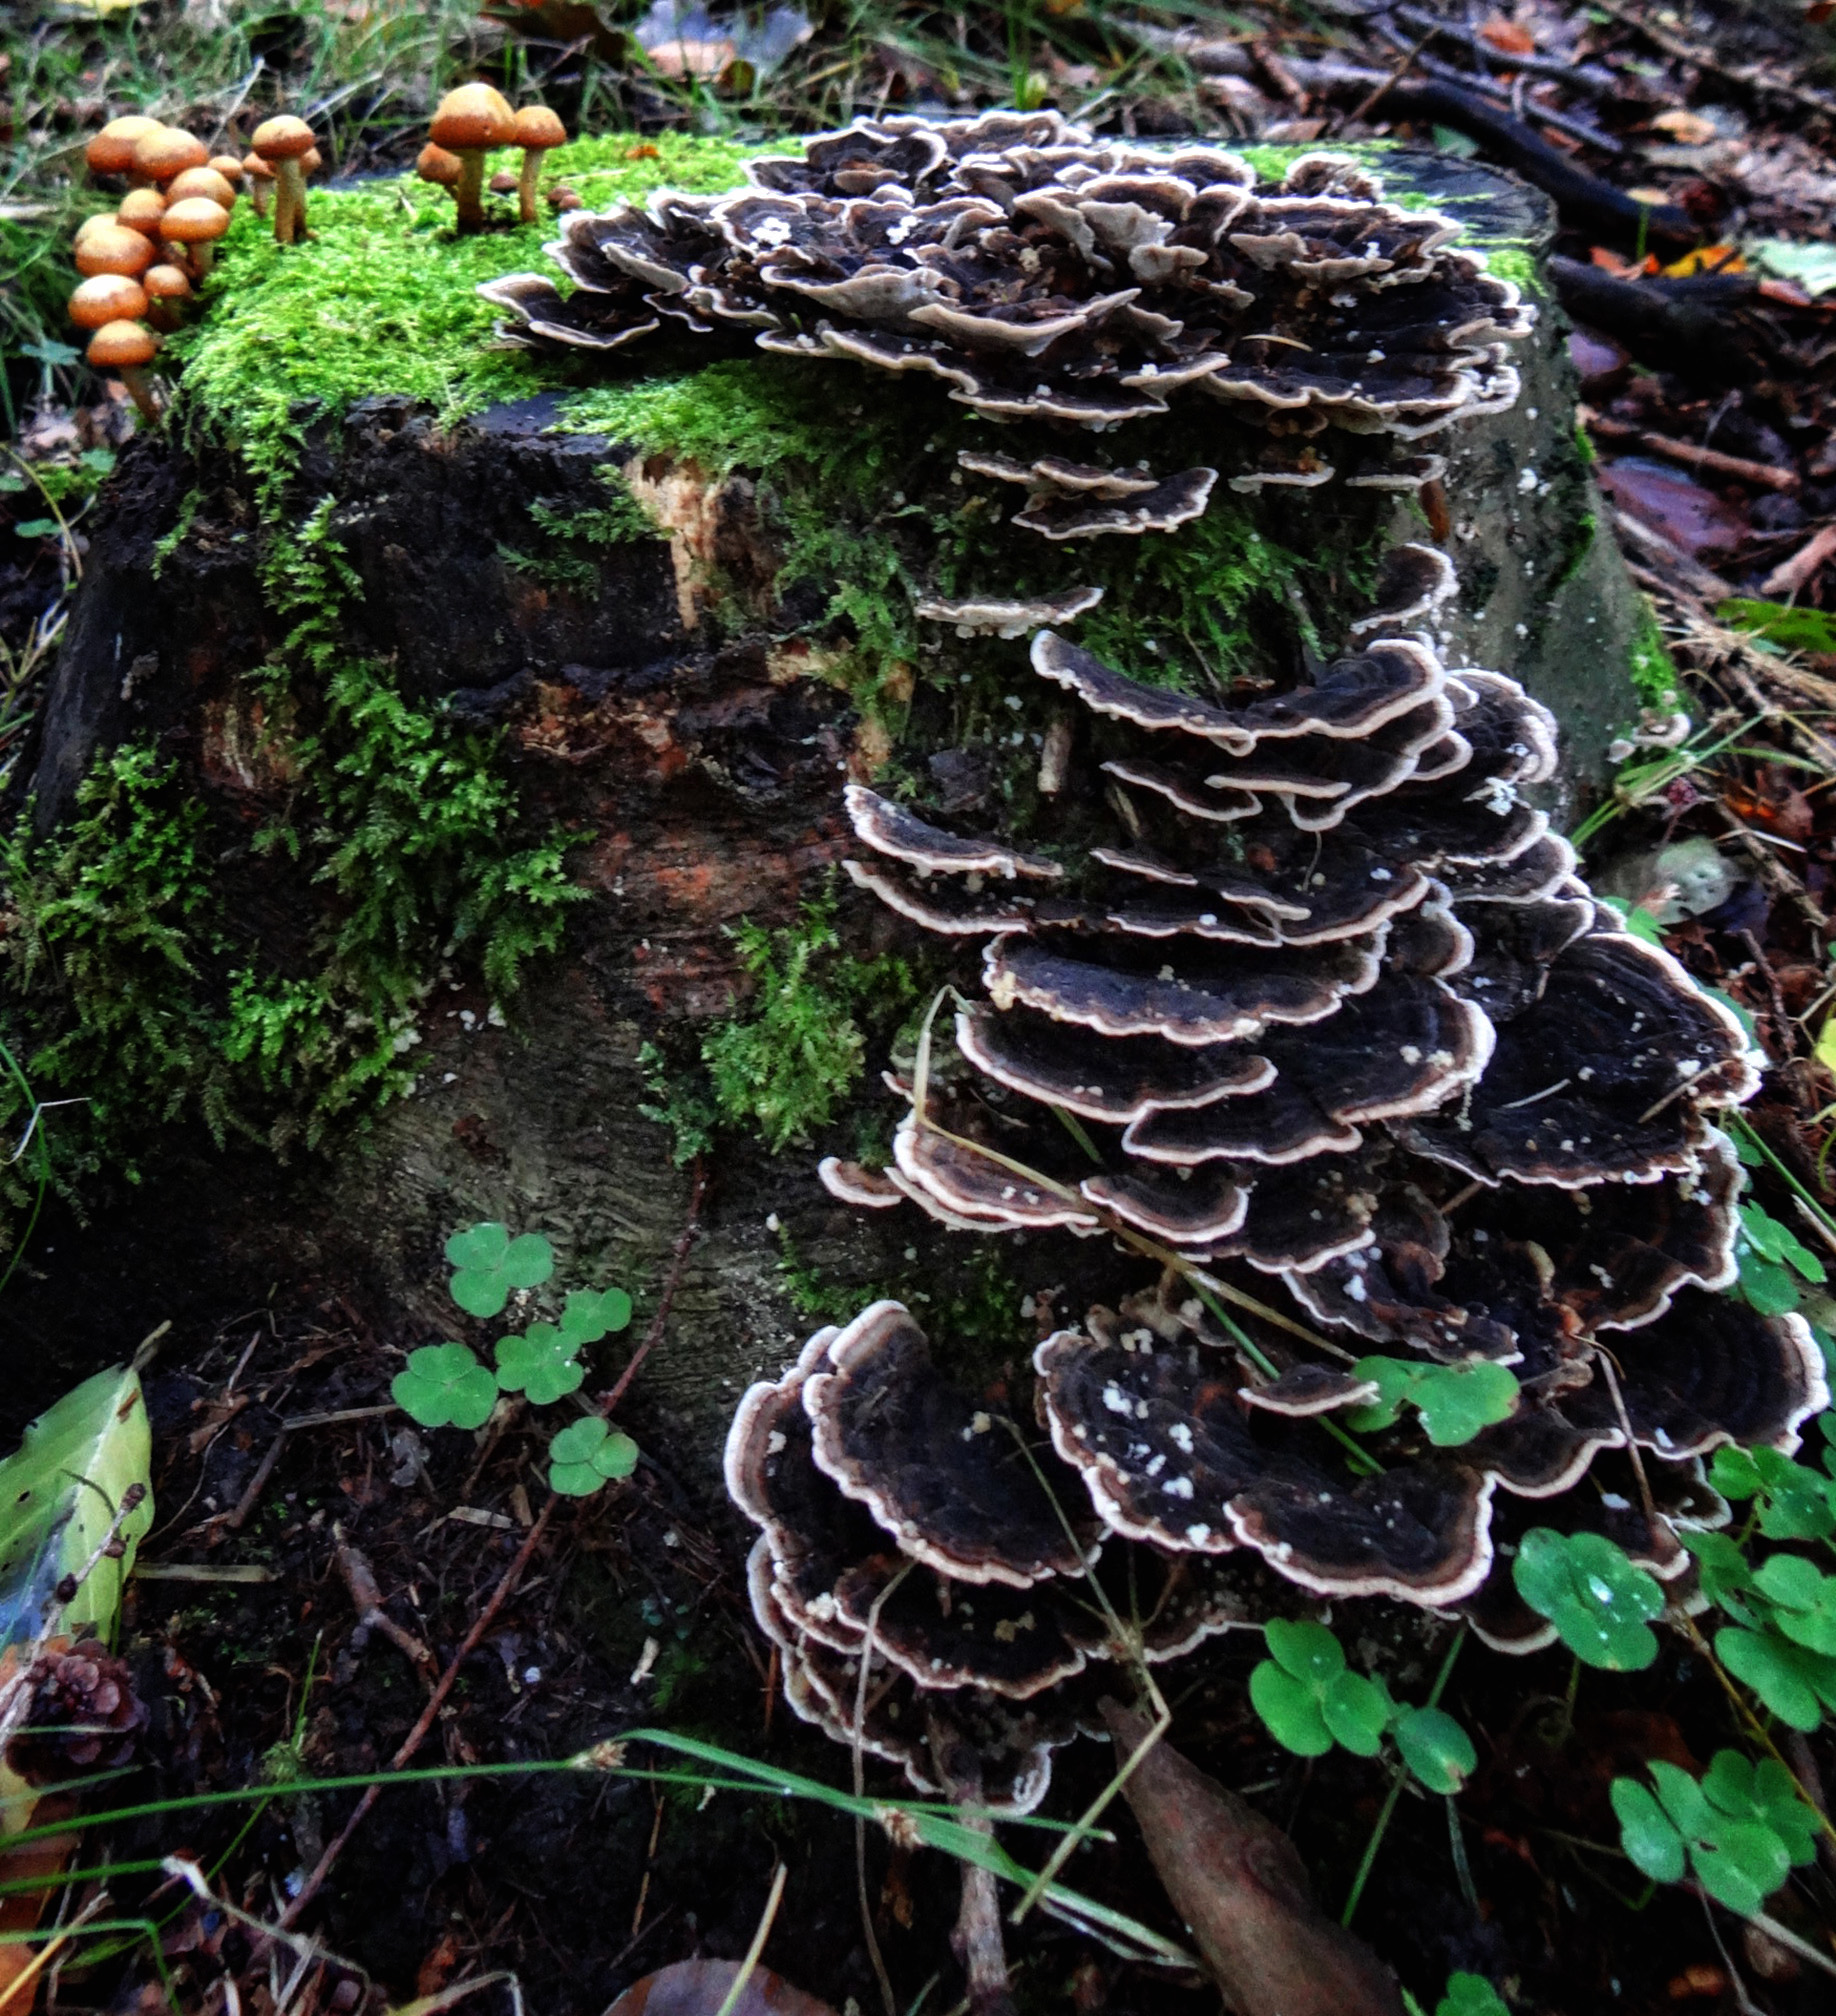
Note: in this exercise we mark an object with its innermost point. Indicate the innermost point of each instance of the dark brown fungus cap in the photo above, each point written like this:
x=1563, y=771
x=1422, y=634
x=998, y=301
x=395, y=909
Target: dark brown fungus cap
x=1046, y=274
x=1414, y=582
x=878, y=1643
x=948, y=1479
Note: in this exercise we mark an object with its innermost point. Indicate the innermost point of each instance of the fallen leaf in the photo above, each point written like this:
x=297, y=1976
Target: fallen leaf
x=1688, y=515
x=1706, y=259
x=1813, y=267
x=1509, y=38
x=697, y=60
x=1236, y=1881
x=700, y=1987
x=1688, y=128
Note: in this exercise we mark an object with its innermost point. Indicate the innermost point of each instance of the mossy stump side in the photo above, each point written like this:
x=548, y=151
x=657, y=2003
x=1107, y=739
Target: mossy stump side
x=677, y=669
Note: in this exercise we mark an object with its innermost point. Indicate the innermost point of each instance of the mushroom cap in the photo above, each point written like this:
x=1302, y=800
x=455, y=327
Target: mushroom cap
x=202, y=182
x=120, y=346
x=539, y=128
x=141, y=210
x=229, y=166
x=473, y=116
x=434, y=164
x=281, y=139
x=91, y=225
x=168, y=151
x=311, y=161
x=107, y=297
x=195, y=220
x=113, y=248
x=166, y=282
x=111, y=152
x=256, y=169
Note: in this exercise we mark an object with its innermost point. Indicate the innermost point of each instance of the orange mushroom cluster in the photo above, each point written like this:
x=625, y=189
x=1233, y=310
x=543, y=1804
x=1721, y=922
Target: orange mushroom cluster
x=140, y=262
x=467, y=124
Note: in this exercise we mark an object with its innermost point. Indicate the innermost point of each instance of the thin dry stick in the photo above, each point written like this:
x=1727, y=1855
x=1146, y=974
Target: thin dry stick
x=757, y=1947
x=511, y=1576
x=860, y=1784
x=678, y=1259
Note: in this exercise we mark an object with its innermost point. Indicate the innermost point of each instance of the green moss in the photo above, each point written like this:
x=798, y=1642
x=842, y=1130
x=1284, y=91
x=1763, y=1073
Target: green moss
x=1512, y=260
x=108, y=923
x=787, y=1066
x=1580, y=544
x=1652, y=670
x=382, y=299
x=980, y=1306
x=1584, y=445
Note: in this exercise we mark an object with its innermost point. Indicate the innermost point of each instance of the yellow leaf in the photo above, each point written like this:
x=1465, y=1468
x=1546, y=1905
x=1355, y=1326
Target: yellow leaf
x=1707, y=259
x=1825, y=1052
x=1690, y=129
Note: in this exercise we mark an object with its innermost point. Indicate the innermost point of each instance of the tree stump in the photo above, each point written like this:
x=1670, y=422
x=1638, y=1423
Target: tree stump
x=679, y=698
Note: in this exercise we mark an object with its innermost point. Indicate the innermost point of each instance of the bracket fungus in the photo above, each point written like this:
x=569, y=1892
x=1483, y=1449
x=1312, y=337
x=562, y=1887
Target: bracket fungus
x=917, y=1571
x=1344, y=1038
x=1042, y=273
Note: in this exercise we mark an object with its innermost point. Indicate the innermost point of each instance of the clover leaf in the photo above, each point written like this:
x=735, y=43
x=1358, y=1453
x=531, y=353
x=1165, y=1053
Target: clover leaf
x=1767, y=1793
x=1454, y=1401
x=1308, y=1700
x=1600, y=1604
x=1803, y=1600
x=444, y=1386
x=590, y=1314
x=1738, y=1856
x=488, y=1264
x=1795, y=1503
x=1722, y=1573
x=1774, y=1241
x=1796, y=1683
x=540, y=1364
x=1470, y=1995
x=1435, y=1748
x=587, y=1454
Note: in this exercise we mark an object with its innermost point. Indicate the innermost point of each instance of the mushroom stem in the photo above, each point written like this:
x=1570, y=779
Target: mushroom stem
x=526, y=184
x=258, y=194
x=289, y=202
x=468, y=192
x=140, y=390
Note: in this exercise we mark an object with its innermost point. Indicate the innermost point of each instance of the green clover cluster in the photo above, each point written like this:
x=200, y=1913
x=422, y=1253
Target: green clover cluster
x=446, y=1385
x=1740, y=1831
x=1454, y=1401
x=1309, y=1699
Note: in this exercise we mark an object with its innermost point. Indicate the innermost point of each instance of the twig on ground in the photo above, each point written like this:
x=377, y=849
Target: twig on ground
x=1790, y=576
x=678, y=1257
x=366, y=1598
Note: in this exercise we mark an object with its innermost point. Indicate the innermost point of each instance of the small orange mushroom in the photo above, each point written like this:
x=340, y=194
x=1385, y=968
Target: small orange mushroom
x=113, y=248
x=111, y=152
x=469, y=122
x=141, y=210
x=107, y=297
x=196, y=223
x=91, y=225
x=168, y=151
x=283, y=143
x=202, y=182
x=229, y=166
x=537, y=130
x=260, y=179
x=126, y=349
x=168, y=288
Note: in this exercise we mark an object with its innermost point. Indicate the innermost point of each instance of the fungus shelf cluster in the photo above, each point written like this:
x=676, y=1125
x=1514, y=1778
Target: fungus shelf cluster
x=1043, y=274
x=1337, y=1027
